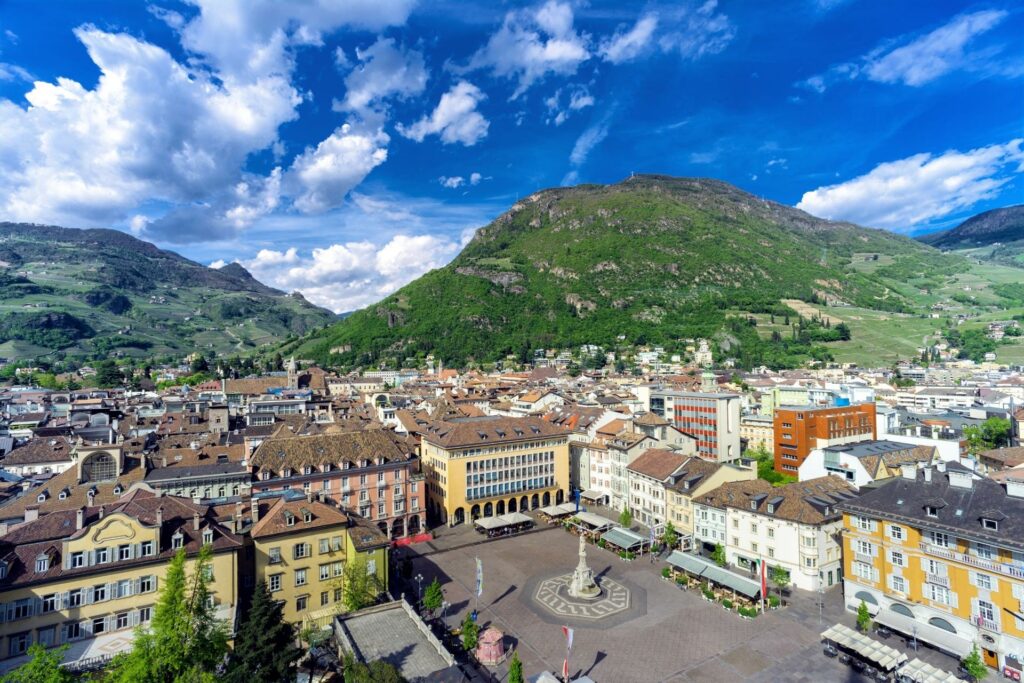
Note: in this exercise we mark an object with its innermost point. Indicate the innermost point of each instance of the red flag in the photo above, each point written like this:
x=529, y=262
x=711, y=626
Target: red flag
x=567, y=632
x=565, y=669
x=764, y=579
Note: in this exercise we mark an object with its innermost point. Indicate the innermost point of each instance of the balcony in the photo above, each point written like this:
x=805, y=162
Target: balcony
x=971, y=560
x=937, y=580
x=986, y=624
x=860, y=557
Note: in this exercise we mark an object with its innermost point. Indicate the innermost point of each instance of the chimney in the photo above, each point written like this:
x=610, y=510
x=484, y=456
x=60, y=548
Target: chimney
x=928, y=474
x=322, y=496
x=309, y=496
x=195, y=521
x=90, y=498
x=255, y=507
x=908, y=471
x=160, y=517
x=31, y=513
x=102, y=511
x=1015, y=488
x=79, y=518
x=239, y=508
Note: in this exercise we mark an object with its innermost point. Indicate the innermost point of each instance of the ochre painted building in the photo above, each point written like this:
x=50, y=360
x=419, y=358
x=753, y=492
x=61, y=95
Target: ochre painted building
x=801, y=429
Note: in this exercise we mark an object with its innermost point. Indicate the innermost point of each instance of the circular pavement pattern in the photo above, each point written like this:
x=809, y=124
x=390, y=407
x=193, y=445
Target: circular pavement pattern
x=618, y=603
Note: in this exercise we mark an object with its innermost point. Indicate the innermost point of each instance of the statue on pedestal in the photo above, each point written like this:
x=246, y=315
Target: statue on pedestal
x=583, y=584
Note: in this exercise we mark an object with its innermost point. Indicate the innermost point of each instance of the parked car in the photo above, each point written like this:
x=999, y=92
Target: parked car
x=844, y=658
x=830, y=651
x=883, y=632
x=857, y=665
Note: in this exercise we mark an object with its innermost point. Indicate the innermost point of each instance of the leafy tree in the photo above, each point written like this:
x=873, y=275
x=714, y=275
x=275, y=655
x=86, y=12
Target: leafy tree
x=360, y=587
x=974, y=665
x=376, y=672
x=469, y=632
x=108, y=374
x=185, y=642
x=670, y=537
x=434, y=596
x=264, y=649
x=515, y=669
x=996, y=430
x=626, y=517
x=863, y=617
x=43, y=667
x=780, y=577
x=718, y=555
x=200, y=364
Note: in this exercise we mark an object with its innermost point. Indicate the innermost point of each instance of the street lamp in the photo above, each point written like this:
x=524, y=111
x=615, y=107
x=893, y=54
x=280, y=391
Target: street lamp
x=821, y=601
x=419, y=582
x=444, y=613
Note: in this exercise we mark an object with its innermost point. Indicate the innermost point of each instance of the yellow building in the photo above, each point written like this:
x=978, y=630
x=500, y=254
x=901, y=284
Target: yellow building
x=484, y=466
x=938, y=554
x=695, y=478
x=87, y=577
x=300, y=549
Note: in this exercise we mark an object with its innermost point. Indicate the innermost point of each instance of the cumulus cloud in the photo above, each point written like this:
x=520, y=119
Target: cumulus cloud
x=908, y=192
x=475, y=178
x=625, y=46
x=921, y=60
x=532, y=43
x=218, y=264
x=578, y=97
x=455, y=119
x=452, y=182
x=350, y=275
x=326, y=173
x=385, y=70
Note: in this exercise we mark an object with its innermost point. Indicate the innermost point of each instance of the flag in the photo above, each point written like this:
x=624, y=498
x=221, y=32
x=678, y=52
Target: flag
x=479, y=577
x=567, y=632
x=764, y=579
x=565, y=669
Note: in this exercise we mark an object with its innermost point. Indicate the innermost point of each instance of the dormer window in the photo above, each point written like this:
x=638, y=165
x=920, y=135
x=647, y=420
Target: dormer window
x=307, y=517
x=771, y=509
x=42, y=564
x=207, y=536
x=990, y=524
x=3, y=570
x=307, y=469
x=753, y=505
x=42, y=497
x=63, y=494
x=288, y=472
x=177, y=540
x=118, y=489
x=931, y=510
x=289, y=519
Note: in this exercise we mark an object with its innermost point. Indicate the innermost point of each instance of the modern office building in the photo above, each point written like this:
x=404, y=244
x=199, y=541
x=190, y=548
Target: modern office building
x=713, y=419
x=801, y=429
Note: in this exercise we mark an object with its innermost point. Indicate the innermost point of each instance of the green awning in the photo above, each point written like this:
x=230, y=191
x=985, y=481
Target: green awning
x=690, y=564
x=623, y=538
x=740, y=584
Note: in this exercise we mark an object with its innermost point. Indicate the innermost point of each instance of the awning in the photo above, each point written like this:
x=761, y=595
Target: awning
x=489, y=523
x=933, y=635
x=624, y=538
x=558, y=510
x=884, y=657
x=592, y=494
x=515, y=518
x=923, y=672
x=699, y=566
x=598, y=522
x=690, y=564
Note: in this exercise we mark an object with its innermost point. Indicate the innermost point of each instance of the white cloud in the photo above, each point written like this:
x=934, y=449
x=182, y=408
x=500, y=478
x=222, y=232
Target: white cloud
x=326, y=173
x=626, y=46
x=13, y=72
x=697, y=31
x=908, y=192
x=254, y=197
x=475, y=178
x=452, y=182
x=350, y=275
x=385, y=70
x=590, y=139
x=579, y=97
x=916, y=62
x=455, y=118
x=532, y=43
x=137, y=224
x=218, y=264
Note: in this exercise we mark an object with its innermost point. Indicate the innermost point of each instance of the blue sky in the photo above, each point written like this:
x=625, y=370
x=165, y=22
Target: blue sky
x=342, y=148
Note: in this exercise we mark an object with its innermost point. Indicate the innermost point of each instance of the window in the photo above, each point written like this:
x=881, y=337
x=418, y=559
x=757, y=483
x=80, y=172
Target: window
x=99, y=625
x=983, y=581
x=771, y=532
x=99, y=593
x=77, y=560
x=300, y=603
x=145, y=614
x=146, y=549
x=325, y=545
x=18, y=644
x=985, y=552
x=371, y=567
x=325, y=572
x=75, y=598
x=931, y=511
x=936, y=593
x=898, y=584
x=275, y=555
x=121, y=620
x=753, y=528
x=990, y=524
x=940, y=539
x=338, y=568
x=896, y=532
x=337, y=595
x=146, y=584
x=72, y=631
x=302, y=550
x=986, y=611
x=207, y=536
x=275, y=583
x=810, y=562
x=124, y=552
x=335, y=543
x=771, y=552
x=177, y=540
x=42, y=564
x=102, y=555
x=325, y=598
x=49, y=603
x=897, y=558
x=863, y=570
x=124, y=588
x=300, y=577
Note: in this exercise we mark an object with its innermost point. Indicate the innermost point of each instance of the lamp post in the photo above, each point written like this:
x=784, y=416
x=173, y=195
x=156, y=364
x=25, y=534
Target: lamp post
x=821, y=601
x=444, y=614
x=419, y=583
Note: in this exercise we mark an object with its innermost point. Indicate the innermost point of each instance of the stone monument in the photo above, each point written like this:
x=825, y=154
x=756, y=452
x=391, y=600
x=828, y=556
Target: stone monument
x=582, y=584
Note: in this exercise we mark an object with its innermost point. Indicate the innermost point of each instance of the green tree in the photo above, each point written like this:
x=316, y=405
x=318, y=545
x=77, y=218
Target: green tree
x=313, y=637
x=434, y=596
x=264, y=649
x=974, y=665
x=863, y=617
x=108, y=374
x=626, y=517
x=780, y=577
x=670, y=537
x=718, y=555
x=185, y=642
x=360, y=587
x=43, y=667
x=515, y=669
x=376, y=672
x=996, y=431
x=469, y=632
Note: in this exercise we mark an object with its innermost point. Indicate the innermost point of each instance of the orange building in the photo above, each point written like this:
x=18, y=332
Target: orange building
x=801, y=429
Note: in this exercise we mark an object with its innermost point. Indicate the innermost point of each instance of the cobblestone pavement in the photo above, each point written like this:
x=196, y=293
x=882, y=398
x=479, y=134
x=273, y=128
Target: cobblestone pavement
x=679, y=637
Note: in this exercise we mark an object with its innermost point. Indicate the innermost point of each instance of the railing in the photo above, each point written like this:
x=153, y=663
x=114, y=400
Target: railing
x=860, y=557
x=984, y=623
x=980, y=563
x=937, y=580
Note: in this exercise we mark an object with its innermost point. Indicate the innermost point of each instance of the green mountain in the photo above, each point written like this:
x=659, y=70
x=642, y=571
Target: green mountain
x=89, y=292
x=652, y=259
x=996, y=235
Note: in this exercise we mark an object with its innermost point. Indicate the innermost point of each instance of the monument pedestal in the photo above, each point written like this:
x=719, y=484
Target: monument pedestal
x=583, y=586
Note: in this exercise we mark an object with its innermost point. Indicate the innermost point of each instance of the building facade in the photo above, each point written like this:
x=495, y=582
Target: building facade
x=801, y=429
x=713, y=419
x=938, y=554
